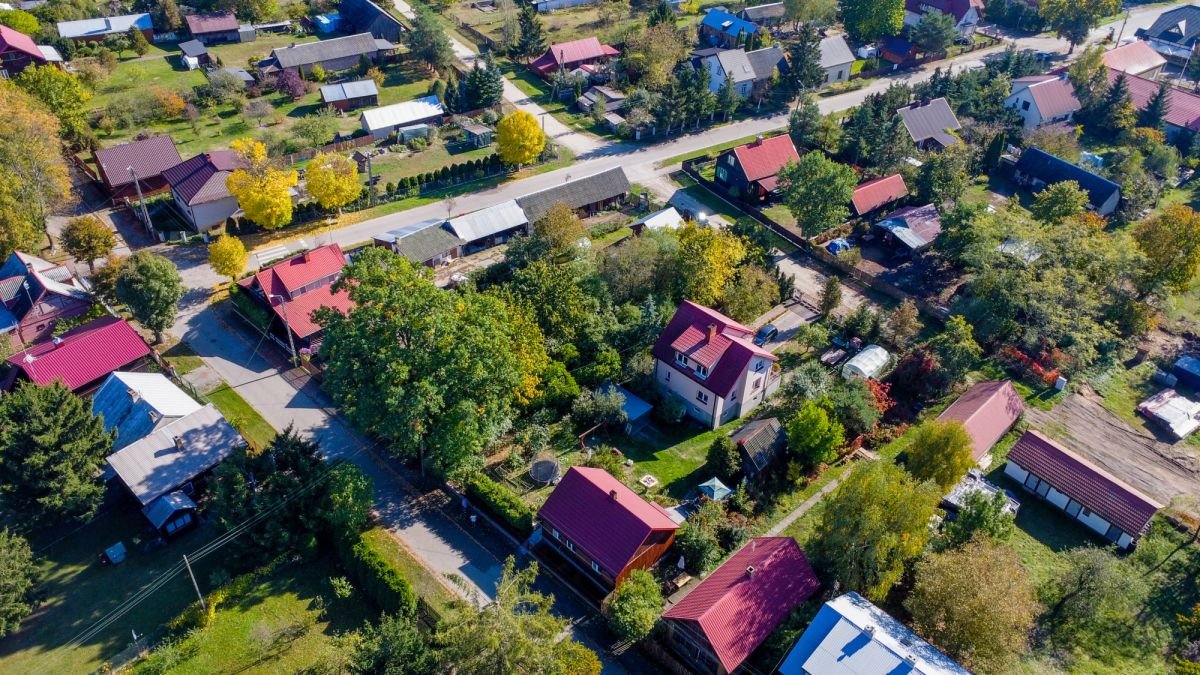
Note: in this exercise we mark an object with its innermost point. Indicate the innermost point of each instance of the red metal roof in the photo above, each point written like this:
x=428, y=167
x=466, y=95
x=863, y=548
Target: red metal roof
x=764, y=158
x=84, y=354
x=565, y=54
x=879, y=192
x=737, y=609
x=1086, y=483
x=13, y=39
x=202, y=178
x=293, y=274
x=1134, y=58
x=218, y=22
x=300, y=309
x=149, y=157
x=726, y=355
x=987, y=410
x=603, y=517
x=1183, y=108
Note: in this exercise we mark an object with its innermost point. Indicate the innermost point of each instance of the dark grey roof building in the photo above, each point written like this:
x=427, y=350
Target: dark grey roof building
x=366, y=16
x=1174, y=33
x=930, y=123
x=588, y=194
x=759, y=443
x=765, y=61
x=333, y=55
x=1037, y=169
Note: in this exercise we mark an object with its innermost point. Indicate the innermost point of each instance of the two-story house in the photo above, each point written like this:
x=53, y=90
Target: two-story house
x=1043, y=99
x=966, y=13
x=199, y=190
x=750, y=171
x=34, y=295
x=603, y=528
x=711, y=362
x=751, y=72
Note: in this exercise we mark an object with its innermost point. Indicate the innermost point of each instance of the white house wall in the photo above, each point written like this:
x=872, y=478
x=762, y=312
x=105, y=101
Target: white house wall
x=838, y=73
x=1090, y=519
x=686, y=388
x=1016, y=101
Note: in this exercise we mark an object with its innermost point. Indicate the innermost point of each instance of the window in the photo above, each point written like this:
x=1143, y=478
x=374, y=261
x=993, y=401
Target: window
x=555, y=533
x=702, y=371
x=722, y=175
x=757, y=383
x=841, y=74
x=1024, y=105
x=681, y=359
x=570, y=545
x=595, y=567
x=1073, y=508
x=702, y=397
x=668, y=378
x=758, y=366
x=1085, y=512
x=729, y=159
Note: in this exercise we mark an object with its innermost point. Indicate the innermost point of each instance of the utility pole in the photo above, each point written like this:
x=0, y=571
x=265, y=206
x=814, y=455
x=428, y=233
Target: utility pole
x=196, y=586
x=137, y=184
x=370, y=183
x=1122, y=32
x=288, y=326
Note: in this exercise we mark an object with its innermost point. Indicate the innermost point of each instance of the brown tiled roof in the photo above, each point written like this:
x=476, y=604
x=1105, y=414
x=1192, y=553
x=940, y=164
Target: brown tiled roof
x=202, y=178
x=217, y=22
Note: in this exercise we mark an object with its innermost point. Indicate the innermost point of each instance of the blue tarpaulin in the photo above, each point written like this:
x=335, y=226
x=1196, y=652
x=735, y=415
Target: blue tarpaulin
x=837, y=246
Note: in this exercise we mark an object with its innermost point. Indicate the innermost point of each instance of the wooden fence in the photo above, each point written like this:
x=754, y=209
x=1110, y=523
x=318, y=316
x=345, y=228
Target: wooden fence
x=340, y=146
x=871, y=281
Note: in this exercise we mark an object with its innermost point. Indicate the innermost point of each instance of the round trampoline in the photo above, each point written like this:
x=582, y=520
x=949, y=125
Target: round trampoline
x=545, y=469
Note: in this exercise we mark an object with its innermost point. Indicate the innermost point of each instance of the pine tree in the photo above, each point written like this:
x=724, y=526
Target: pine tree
x=663, y=12
x=452, y=98
x=491, y=89
x=533, y=39
x=805, y=58
x=1155, y=111
x=1117, y=112
x=728, y=99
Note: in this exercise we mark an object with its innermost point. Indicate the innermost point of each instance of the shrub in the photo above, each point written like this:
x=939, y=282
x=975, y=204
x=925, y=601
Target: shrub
x=671, y=410
x=378, y=580
x=502, y=502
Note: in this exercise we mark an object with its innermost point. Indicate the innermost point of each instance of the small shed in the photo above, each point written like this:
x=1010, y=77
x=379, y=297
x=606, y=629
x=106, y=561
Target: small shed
x=478, y=135
x=194, y=54
x=171, y=514
x=1187, y=369
x=637, y=410
x=1178, y=415
x=867, y=364
x=714, y=489
x=350, y=95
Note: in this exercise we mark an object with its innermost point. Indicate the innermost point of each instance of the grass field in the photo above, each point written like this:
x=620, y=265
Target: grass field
x=713, y=150
x=429, y=587
x=286, y=623
x=256, y=430
x=183, y=358
x=396, y=165
x=77, y=592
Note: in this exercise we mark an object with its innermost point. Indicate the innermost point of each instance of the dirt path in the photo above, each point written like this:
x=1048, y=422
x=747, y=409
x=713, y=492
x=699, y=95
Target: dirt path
x=1083, y=425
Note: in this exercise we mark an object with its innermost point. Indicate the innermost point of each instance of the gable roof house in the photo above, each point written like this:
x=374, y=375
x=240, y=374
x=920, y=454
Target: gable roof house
x=966, y=13
x=931, y=124
x=987, y=411
x=199, y=191
x=295, y=288
x=711, y=362
x=142, y=161
x=193, y=54
x=35, y=294
x=333, y=56
x=350, y=95
x=770, y=14
x=836, y=58
x=1174, y=33
x=92, y=30
x=1183, y=107
x=572, y=55
x=424, y=243
x=213, y=28
x=877, y=193
x=759, y=442
x=751, y=72
x=17, y=52
x=1136, y=58
x=367, y=16
x=717, y=625
x=1043, y=99
x=851, y=636
x=134, y=404
x=602, y=527
x=488, y=227
x=1084, y=491
x=722, y=29
x=750, y=171
x=83, y=356
x=587, y=195
x=1036, y=169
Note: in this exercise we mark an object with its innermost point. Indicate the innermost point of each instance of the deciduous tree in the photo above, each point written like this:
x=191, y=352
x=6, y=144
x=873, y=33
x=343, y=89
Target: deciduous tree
x=17, y=573
x=652, y=53
x=945, y=176
x=981, y=515
x=332, y=179
x=1093, y=593
x=316, y=129
x=1170, y=241
x=816, y=190
x=138, y=41
x=814, y=438
x=976, y=603
x=396, y=645
x=940, y=451
x=515, y=633
x=635, y=606
x=150, y=287
x=724, y=459
x=1074, y=19
x=63, y=95
x=956, y=349
x=561, y=230
x=519, y=139
x=819, y=12
x=20, y=21
x=708, y=260
x=1059, y=201
x=87, y=238
x=51, y=449
x=751, y=293
x=903, y=323
x=228, y=256
x=869, y=20
x=262, y=190
x=872, y=526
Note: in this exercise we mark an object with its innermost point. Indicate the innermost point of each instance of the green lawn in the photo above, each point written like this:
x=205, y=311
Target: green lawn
x=286, y=623
x=77, y=592
x=675, y=456
x=396, y=165
x=429, y=587
x=256, y=430
x=614, y=237
x=183, y=358
x=780, y=214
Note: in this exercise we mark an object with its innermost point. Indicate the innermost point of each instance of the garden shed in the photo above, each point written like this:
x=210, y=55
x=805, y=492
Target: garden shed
x=868, y=363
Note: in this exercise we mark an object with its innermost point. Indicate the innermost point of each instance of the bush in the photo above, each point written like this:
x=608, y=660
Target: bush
x=379, y=580
x=671, y=410
x=502, y=502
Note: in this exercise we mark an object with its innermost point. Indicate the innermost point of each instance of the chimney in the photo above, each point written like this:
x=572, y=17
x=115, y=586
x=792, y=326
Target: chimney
x=107, y=24
x=759, y=139
x=712, y=332
x=57, y=341
x=306, y=256
x=179, y=442
x=612, y=494
x=749, y=570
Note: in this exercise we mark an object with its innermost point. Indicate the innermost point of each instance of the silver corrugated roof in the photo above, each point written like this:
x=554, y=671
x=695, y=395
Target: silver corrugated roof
x=348, y=90
x=486, y=222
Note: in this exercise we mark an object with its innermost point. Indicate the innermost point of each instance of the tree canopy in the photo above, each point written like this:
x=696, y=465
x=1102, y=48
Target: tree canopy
x=150, y=286
x=87, y=238
x=816, y=190
x=63, y=95
x=33, y=173
x=708, y=260
x=1170, y=240
x=940, y=451
x=427, y=42
x=635, y=606
x=261, y=189
x=519, y=139
x=869, y=20
x=1059, y=201
x=1074, y=19
x=935, y=32
x=228, y=256
x=17, y=573
x=813, y=437
x=332, y=179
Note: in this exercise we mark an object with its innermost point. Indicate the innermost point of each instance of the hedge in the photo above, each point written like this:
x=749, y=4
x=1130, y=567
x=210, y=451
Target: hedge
x=502, y=502
x=378, y=580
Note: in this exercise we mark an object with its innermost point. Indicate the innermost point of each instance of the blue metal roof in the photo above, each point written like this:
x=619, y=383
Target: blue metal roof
x=719, y=19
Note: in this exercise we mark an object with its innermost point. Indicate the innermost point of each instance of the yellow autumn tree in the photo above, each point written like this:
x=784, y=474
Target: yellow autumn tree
x=708, y=260
x=228, y=256
x=262, y=189
x=519, y=139
x=33, y=173
x=332, y=180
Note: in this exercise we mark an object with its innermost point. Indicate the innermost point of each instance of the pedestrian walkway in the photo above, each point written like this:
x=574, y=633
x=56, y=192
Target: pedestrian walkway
x=802, y=509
